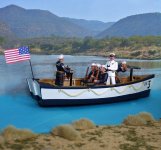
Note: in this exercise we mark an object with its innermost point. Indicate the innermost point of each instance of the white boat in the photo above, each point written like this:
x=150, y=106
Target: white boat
x=75, y=92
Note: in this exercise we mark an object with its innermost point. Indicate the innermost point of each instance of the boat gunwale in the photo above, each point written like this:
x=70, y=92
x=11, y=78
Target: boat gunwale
x=48, y=86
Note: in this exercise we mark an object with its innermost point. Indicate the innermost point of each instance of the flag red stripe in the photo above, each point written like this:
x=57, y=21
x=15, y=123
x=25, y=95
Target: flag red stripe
x=10, y=50
x=9, y=54
x=16, y=58
x=9, y=62
x=13, y=56
x=20, y=57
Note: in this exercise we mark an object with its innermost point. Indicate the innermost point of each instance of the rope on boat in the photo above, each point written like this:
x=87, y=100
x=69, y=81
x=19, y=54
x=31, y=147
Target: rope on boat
x=102, y=93
x=129, y=86
x=98, y=94
x=135, y=88
x=72, y=95
x=125, y=89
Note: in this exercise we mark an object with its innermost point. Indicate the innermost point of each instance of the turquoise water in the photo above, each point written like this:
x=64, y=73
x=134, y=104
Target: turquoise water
x=19, y=109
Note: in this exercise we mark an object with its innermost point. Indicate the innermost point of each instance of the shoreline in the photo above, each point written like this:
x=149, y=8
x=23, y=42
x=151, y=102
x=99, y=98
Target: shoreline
x=128, y=58
x=137, y=132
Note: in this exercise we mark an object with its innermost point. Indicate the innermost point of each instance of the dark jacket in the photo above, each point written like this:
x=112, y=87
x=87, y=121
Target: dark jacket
x=61, y=70
x=102, y=78
x=60, y=67
x=94, y=73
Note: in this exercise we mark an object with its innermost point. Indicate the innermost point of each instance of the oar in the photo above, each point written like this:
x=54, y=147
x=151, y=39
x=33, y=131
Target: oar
x=133, y=67
x=86, y=75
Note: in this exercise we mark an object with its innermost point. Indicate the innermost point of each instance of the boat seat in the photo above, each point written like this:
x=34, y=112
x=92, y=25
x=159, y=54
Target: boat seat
x=47, y=81
x=75, y=82
x=124, y=79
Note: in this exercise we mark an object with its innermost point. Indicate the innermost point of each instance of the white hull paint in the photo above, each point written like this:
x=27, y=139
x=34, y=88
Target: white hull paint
x=77, y=94
x=91, y=93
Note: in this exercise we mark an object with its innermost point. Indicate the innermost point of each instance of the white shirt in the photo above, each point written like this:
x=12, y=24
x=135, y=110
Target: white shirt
x=113, y=66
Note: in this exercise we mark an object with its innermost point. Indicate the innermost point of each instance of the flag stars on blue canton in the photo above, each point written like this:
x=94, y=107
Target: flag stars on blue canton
x=23, y=50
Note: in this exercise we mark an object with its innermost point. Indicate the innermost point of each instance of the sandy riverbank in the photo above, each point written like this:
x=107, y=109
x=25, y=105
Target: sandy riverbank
x=139, y=132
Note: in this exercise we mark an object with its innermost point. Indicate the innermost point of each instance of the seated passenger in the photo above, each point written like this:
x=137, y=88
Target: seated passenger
x=102, y=78
x=97, y=71
x=92, y=73
x=122, y=67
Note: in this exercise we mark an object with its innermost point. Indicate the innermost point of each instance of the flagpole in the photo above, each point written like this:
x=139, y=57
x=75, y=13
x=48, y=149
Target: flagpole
x=31, y=66
x=31, y=69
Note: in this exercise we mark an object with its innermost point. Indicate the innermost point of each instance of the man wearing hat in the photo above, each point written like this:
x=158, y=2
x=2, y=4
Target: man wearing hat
x=92, y=73
x=112, y=67
x=102, y=78
x=122, y=67
x=61, y=70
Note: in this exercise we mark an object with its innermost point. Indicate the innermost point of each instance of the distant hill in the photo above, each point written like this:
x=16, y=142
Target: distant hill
x=35, y=23
x=5, y=31
x=142, y=25
x=92, y=25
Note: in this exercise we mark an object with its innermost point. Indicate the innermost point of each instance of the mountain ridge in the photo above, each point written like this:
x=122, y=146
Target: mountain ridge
x=135, y=25
x=26, y=23
x=92, y=25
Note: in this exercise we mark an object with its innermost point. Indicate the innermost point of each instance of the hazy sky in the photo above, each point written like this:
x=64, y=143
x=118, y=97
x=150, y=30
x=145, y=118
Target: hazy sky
x=103, y=10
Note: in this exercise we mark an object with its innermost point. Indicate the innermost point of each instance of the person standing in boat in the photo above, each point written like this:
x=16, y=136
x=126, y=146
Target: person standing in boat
x=61, y=70
x=112, y=67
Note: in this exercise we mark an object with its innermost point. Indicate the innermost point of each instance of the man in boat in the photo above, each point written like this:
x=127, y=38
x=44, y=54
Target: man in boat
x=122, y=67
x=61, y=70
x=97, y=71
x=89, y=78
x=112, y=67
x=102, y=78
x=92, y=73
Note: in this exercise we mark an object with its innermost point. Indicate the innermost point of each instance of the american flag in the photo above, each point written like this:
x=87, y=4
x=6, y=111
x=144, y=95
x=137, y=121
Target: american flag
x=15, y=55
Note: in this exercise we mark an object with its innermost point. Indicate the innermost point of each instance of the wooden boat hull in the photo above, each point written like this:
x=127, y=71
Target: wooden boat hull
x=48, y=95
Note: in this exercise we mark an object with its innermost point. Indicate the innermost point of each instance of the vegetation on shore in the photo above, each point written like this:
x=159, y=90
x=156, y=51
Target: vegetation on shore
x=148, y=47
x=137, y=132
